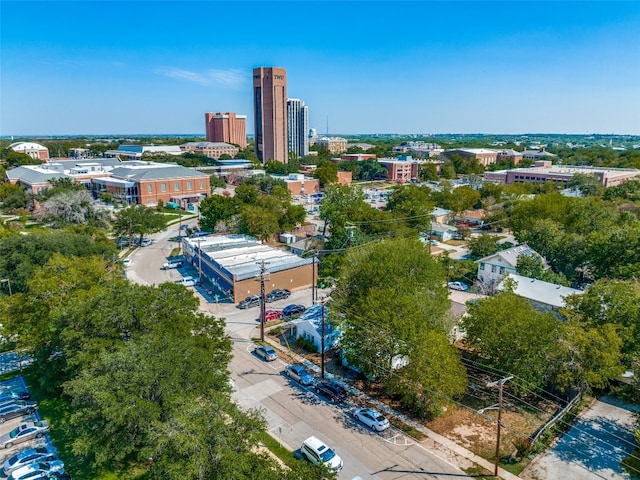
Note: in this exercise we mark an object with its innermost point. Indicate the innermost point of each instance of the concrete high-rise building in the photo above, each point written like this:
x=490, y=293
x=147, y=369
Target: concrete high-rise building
x=270, y=113
x=298, y=123
x=226, y=127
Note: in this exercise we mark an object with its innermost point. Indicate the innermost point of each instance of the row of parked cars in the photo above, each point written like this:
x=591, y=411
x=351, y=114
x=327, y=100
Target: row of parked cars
x=272, y=296
x=35, y=461
x=315, y=450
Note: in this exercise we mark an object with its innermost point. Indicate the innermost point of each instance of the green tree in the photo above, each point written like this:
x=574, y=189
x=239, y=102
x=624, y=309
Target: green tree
x=586, y=184
x=463, y=198
x=508, y=334
x=217, y=212
x=428, y=172
x=482, y=246
x=75, y=207
x=258, y=222
x=247, y=193
x=137, y=220
x=217, y=182
x=413, y=203
x=370, y=169
x=394, y=303
x=326, y=172
x=13, y=197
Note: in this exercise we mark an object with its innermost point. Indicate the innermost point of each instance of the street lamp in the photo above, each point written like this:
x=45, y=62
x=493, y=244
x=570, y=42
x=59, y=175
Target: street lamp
x=498, y=406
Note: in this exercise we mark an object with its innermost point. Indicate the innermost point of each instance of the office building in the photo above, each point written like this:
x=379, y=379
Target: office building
x=226, y=127
x=298, y=125
x=333, y=144
x=270, y=113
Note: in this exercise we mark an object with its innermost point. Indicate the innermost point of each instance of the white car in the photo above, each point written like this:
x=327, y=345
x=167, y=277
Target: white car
x=461, y=286
x=371, y=418
x=37, y=470
x=188, y=281
x=126, y=262
x=315, y=450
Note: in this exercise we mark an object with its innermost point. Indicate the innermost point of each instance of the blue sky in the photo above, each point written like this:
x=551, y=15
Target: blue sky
x=368, y=66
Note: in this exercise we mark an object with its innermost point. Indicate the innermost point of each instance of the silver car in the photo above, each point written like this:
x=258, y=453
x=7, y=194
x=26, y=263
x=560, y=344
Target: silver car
x=29, y=455
x=38, y=470
x=267, y=353
x=371, y=418
x=24, y=432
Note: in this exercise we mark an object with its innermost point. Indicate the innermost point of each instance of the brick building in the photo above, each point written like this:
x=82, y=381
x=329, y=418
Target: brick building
x=211, y=149
x=226, y=127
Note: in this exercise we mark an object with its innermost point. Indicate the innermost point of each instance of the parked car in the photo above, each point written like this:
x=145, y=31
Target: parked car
x=317, y=452
x=17, y=409
x=24, y=432
x=270, y=315
x=461, y=286
x=146, y=242
x=277, y=294
x=268, y=354
x=126, y=262
x=29, y=455
x=251, y=301
x=332, y=391
x=14, y=395
x=291, y=310
x=38, y=470
x=171, y=264
x=371, y=418
x=188, y=281
x=299, y=374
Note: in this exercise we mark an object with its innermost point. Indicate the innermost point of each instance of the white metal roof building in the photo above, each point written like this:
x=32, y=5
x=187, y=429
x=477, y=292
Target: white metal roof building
x=543, y=295
x=233, y=264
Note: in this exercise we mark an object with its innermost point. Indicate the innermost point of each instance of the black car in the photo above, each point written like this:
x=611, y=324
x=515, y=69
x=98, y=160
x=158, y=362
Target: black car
x=17, y=409
x=277, y=294
x=293, y=309
x=252, y=301
x=332, y=391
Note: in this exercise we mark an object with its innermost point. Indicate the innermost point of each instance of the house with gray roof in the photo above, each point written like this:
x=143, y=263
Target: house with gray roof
x=544, y=296
x=493, y=268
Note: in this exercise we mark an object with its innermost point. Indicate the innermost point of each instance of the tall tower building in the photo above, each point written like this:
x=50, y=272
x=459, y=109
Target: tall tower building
x=298, y=122
x=270, y=113
x=226, y=127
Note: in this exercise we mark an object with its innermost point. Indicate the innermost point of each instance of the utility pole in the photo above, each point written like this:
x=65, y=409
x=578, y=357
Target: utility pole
x=322, y=302
x=314, y=279
x=500, y=384
x=263, y=273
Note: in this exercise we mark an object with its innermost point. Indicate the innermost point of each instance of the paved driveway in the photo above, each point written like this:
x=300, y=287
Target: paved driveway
x=593, y=448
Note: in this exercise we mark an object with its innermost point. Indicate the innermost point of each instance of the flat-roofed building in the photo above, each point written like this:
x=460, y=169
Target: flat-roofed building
x=270, y=114
x=561, y=174
x=298, y=125
x=402, y=169
x=299, y=184
x=484, y=156
x=226, y=127
x=233, y=262
x=211, y=149
x=333, y=144
x=136, y=152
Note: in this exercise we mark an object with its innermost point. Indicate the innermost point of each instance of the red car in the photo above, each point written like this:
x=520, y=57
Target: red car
x=270, y=315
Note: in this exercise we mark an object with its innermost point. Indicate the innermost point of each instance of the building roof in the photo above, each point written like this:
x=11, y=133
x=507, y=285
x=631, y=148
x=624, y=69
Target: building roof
x=154, y=171
x=33, y=174
x=22, y=146
x=242, y=255
x=510, y=256
x=474, y=151
x=437, y=212
x=207, y=144
x=313, y=315
x=441, y=227
x=539, y=291
x=538, y=153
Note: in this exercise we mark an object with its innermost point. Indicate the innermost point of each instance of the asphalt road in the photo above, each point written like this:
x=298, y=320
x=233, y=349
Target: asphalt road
x=293, y=412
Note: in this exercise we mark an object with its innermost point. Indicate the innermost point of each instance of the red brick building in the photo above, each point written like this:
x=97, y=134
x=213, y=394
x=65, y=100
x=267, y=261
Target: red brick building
x=226, y=127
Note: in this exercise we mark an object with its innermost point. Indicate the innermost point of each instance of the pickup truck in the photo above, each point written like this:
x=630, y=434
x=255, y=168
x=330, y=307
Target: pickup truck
x=171, y=264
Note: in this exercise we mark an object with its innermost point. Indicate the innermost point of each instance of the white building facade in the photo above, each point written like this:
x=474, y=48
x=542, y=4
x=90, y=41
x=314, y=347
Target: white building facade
x=298, y=127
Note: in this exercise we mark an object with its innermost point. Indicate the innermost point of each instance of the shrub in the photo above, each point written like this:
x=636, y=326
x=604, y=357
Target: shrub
x=306, y=344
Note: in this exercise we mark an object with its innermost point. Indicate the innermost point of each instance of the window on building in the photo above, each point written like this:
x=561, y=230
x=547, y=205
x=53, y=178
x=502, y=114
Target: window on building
x=201, y=184
x=501, y=270
x=150, y=188
x=163, y=187
x=493, y=269
x=482, y=266
x=189, y=185
x=176, y=186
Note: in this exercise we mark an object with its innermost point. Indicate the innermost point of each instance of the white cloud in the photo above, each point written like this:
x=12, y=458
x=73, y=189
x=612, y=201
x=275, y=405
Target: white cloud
x=232, y=78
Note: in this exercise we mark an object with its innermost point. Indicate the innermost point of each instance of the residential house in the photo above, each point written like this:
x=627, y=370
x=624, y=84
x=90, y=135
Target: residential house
x=441, y=215
x=492, y=268
x=545, y=296
x=473, y=218
x=309, y=327
x=443, y=232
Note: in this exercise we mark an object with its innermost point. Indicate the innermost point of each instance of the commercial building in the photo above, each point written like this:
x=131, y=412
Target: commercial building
x=226, y=127
x=299, y=184
x=544, y=171
x=147, y=183
x=422, y=149
x=211, y=149
x=402, y=169
x=333, y=144
x=136, y=152
x=233, y=263
x=298, y=126
x=270, y=113
x=484, y=156
x=34, y=150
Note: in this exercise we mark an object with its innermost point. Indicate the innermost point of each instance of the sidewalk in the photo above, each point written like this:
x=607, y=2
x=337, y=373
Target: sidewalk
x=435, y=443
